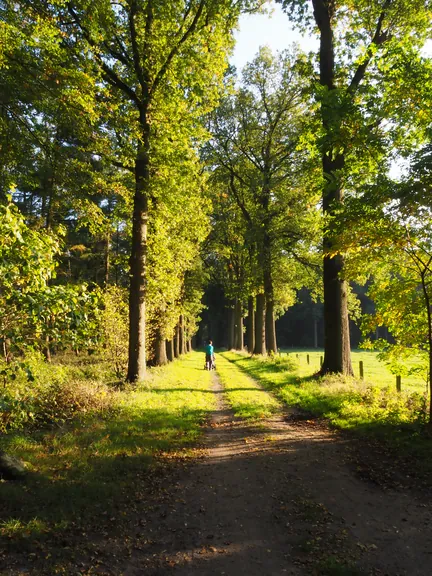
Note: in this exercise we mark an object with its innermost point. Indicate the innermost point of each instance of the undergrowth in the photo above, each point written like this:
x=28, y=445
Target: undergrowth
x=35, y=393
x=90, y=470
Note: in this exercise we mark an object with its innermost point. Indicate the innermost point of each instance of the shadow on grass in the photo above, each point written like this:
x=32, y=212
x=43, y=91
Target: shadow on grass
x=89, y=474
x=156, y=390
x=401, y=441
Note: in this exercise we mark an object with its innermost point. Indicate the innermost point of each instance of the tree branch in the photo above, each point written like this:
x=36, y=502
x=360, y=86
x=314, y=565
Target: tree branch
x=379, y=38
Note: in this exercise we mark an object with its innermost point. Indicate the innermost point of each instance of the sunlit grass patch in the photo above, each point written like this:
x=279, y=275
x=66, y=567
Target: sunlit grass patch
x=376, y=372
x=245, y=397
x=13, y=527
x=97, y=464
x=344, y=401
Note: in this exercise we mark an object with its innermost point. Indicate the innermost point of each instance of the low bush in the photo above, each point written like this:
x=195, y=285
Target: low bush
x=36, y=393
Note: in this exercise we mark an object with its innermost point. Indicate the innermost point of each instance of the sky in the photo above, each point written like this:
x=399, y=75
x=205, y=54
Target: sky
x=275, y=31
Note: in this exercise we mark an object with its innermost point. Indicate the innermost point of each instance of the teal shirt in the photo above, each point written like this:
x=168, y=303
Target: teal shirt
x=209, y=349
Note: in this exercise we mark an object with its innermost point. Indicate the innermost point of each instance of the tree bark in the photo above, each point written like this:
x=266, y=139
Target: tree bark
x=260, y=339
x=47, y=349
x=238, y=325
x=137, y=289
x=107, y=258
x=160, y=356
x=182, y=343
x=231, y=329
x=170, y=349
x=337, y=353
x=270, y=328
x=251, y=325
x=429, y=318
x=177, y=341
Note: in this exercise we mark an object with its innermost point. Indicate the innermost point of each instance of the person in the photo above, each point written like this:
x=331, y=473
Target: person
x=209, y=350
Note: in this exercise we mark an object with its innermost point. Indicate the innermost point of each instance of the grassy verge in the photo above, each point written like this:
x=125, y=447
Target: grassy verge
x=375, y=412
x=375, y=372
x=92, y=468
x=245, y=397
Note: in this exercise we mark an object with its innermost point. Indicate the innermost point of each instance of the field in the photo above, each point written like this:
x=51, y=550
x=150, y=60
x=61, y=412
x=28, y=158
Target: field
x=375, y=371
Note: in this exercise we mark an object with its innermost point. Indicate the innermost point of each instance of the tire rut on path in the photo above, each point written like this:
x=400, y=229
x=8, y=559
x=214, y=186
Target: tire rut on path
x=280, y=498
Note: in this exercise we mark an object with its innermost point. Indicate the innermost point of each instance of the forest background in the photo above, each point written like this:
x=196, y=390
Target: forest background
x=143, y=179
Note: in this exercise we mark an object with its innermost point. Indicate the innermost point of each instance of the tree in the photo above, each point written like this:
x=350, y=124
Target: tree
x=259, y=150
x=392, y=251
x=366, y=53
x=161, y=63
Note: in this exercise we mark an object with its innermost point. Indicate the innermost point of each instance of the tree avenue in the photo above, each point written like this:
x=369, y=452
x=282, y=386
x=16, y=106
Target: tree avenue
x=142, y=180
x=365, y=53
x=261, y=159
x=160, y=65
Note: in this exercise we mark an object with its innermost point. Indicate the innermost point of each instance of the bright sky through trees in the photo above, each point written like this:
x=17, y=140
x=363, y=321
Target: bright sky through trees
x=275, y=31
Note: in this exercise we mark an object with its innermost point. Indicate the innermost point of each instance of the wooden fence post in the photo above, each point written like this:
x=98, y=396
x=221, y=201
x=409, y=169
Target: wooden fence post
x=361, y=370
x=398, y=383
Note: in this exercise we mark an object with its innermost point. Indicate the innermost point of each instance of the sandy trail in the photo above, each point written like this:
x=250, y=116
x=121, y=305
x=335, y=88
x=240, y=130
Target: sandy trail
x=281, y=498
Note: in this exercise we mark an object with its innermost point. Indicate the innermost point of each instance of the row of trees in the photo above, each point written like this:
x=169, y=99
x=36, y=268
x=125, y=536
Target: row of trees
x=101, y=123
x=148, y=164
x=264, y=178
x=331, y=125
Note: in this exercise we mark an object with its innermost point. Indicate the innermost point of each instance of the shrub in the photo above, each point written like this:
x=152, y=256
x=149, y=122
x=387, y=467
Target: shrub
x=37, y=393
x=115, y=330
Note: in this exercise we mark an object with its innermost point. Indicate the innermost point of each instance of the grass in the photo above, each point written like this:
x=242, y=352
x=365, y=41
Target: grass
x=348, y=403
x=92, y=468
x=245, y=397
x=371, y=410
x=375, y=372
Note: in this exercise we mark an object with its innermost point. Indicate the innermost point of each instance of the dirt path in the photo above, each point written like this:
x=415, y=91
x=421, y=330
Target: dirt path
x=280, y=498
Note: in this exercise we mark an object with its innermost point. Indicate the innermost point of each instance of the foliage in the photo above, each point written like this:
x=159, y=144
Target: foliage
x=263, y=174
x=33, y=311
x=41, y=394
x=114, y=328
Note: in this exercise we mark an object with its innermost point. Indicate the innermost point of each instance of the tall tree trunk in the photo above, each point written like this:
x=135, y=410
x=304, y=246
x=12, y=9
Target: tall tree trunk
x=270, y=328
x=170, y=349
x=251, y=325
x=238, y=325
x=137, y=289
x=231, y=328
x=182, y=343
x=337, y=354
x=429, y=318
x=177, y=341
x=190, y=345
x=160, y=356
x=337, y=349
x=260, y=339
